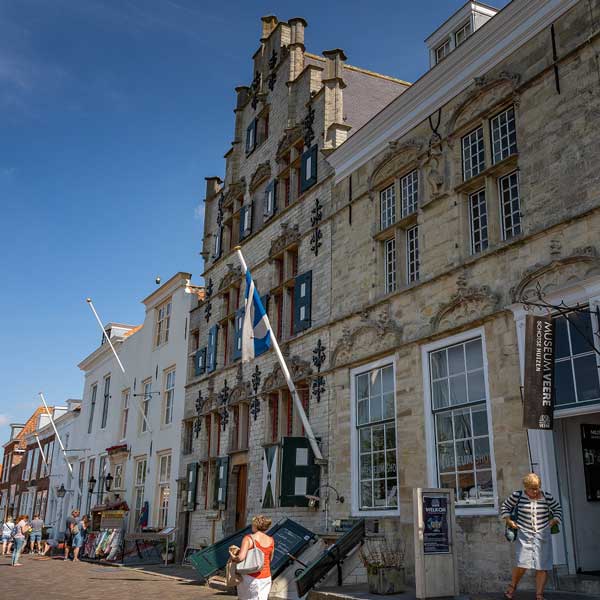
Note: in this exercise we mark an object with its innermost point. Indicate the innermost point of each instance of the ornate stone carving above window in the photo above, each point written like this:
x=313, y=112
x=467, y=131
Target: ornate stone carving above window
x=379, y=331
x=582, y=264
x=468, y=304
x=235, y=190
x=262, y=173
x=234, y=274
x=275, y=380
x=242, y=390
x=290, y=137
x=398, y=155
x=482, y=96
x=287, y=237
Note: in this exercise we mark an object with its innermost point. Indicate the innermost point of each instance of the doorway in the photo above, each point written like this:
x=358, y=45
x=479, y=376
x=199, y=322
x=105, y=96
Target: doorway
x=581, y=506
x=240, y=498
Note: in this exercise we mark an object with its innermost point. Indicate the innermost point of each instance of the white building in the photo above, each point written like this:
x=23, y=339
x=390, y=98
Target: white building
x=130, y=423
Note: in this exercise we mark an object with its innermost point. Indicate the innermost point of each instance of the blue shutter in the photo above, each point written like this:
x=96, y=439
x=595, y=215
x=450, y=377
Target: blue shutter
x=302, y=301
x=237, y=336
x=200, y=361
x=299, y=474
x=245, y=221
x=251, y=137
x=308, y=169
x=270, y=201
x=211, y=358
x=218, y=244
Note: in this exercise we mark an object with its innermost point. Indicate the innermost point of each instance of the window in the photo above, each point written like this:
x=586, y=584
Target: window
x=34, y=465
x=473, y=153
x=374, y=456
x=188, y=437
x=409, y=188
x=459, y=405
x=302, y=294
x=163, y=322
x=6, y=468
x=390, y=265
x=105, y=403
x=124, y=413
x=27, y=469
x=140, y=482
x=80, y=484
x=308, y=169
x=577, y=378
x=460, y=35
x=478, y=220
x=245, y=221
x=387, y=200
x=504, y=135
x=412, y=254
x=101, y=479
x=442, y=51
x=251, y=137
x=92, y=407
x=118, y=477
x=91, y=467
x=510, y=205
x=169, y=397
x=239, y=431
x=146, y=398
x=270, y=200
x=164, y=488
x=211, y=352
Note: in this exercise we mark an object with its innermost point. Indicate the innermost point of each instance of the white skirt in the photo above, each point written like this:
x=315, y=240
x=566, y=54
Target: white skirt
x=254, y=588
x=534, y=549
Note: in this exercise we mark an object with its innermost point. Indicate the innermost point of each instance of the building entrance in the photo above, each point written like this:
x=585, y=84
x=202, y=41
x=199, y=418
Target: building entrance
x=577, y=444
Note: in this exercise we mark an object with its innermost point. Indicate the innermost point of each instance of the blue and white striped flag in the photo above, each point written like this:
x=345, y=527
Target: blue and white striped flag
x=256, y=331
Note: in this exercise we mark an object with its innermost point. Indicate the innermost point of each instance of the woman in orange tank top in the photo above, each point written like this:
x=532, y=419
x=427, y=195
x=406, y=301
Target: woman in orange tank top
x=256, y=586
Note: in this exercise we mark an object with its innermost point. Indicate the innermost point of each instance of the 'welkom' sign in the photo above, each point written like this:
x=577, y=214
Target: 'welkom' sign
x=538, y=401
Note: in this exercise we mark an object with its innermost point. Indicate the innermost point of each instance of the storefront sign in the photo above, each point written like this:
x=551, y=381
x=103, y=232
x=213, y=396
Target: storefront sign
x=590, y=443
x=538, y=401
x=436, y=533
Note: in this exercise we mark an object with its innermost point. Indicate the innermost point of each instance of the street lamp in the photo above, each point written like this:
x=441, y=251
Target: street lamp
x=61, y=491
x=91, y=484
x=108, y=482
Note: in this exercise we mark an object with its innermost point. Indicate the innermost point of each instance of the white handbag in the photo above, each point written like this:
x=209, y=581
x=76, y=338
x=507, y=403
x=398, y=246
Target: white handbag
x=254, y=561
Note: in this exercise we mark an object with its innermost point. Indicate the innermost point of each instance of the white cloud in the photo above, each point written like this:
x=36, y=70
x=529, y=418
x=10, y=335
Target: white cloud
x=4, y=420
x=199, y=212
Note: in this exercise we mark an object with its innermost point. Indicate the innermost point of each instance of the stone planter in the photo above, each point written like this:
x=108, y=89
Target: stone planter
x=386, y=580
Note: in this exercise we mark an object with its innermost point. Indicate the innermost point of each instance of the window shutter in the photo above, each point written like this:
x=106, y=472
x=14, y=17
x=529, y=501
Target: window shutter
x=308, y=169
x=245, y=221
x=211, y=358
x=302, y=301
x=218, y=243
x=299, y=473
x=251, y=137
x=221, y=479
x=269, y=480
x=191, y=486
x=237, y=336
x=200, y=361
x=270, y=202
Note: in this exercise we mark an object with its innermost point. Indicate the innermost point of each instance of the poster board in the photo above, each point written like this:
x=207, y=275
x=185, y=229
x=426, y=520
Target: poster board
x=590, y=446
x=436, y=564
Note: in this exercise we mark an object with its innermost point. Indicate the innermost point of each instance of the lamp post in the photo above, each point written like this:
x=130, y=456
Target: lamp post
x=314, y=499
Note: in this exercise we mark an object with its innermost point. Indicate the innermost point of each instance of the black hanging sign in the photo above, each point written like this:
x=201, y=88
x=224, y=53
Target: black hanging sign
x=538, y=392
x=590, y=443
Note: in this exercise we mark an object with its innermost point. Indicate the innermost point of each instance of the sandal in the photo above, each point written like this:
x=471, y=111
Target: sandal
x=509, y=593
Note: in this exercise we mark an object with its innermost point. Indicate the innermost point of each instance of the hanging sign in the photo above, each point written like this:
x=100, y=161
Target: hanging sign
x=538, y=401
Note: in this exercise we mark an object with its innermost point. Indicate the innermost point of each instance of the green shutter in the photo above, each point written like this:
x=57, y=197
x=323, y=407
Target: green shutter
x=191, y=486
x=302, y=302
x=237, y=336
x=270, y=200
x=251, y=137
x=211, y=358
x=221, y=479
x=308, y=168
x=299, y=473
x=200, y=361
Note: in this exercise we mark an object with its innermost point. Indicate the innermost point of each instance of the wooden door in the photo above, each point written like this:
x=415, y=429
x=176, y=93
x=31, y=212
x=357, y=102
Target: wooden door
x=240, y=500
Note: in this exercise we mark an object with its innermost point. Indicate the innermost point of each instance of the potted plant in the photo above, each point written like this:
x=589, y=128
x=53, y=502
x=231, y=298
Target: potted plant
x=384, y=562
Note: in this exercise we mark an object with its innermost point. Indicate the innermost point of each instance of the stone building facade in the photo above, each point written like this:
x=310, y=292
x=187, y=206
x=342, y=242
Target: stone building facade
x=273, y=201
x=425, y=232
x=456, y=204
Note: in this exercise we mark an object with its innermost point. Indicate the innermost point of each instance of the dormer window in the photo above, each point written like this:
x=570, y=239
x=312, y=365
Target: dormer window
x=108, y=332
x=442, y=51
x=460, y=35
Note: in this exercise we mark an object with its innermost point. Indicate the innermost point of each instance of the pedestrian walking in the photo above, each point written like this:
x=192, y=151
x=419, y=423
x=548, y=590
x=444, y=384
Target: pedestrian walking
x=35, y=535
x=7, y=529
x=18, y=534
x=73, y=537
x=532, y=515
x=257, y=585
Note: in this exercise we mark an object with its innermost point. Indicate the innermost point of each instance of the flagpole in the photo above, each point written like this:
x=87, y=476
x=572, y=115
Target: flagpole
x=107, y=338
x=69, y=466
x=37, y=439
x=288, y=378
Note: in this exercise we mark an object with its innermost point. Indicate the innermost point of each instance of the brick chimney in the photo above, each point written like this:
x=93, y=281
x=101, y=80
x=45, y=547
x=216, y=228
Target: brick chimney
x=296, y=46
x=269, y=23
x=336, y=131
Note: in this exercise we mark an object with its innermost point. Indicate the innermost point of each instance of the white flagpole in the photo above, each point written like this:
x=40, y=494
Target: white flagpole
x=56, y=434
x=37, y=439
x=288, y=378
x=107, y=338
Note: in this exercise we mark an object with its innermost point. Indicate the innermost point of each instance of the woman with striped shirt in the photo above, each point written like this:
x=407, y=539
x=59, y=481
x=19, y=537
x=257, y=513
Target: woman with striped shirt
x=535, y=512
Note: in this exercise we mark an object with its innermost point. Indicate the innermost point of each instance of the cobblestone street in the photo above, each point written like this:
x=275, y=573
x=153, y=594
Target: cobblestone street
x=54, y=579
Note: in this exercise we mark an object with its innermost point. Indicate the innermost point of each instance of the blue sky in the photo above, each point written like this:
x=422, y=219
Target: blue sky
x=112, y=112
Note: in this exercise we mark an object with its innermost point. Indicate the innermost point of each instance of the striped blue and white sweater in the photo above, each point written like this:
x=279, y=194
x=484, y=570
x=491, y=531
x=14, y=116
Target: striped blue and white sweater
x=532, y=515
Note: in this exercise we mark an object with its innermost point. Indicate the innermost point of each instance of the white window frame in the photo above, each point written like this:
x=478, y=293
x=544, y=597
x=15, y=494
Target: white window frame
x=169, y=400
x=467, y=29
x=35, y=463
x=430, y=438
x=6, y=468
x=163, y=322
x=413, y=264
x=472, y=147
x=93, y=400
x=409, y=193
x=125, y=398
x=502, y=204
x=387, y=206
x=445, y=47
x=105, y=401
x=118, y=477
x=390, y=262
x=503, y=153
x=354, y=448
x=473, y=228
x=27, y=469
x=162, y=513
x=146, y=399
x=139, y=486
